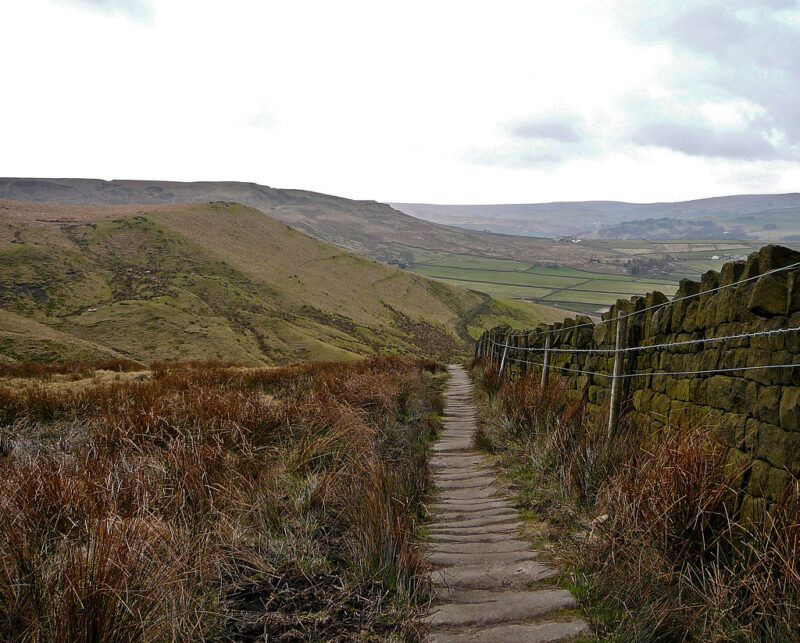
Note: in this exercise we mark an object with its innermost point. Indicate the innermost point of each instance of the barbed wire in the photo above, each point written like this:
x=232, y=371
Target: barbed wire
x=611, y=351
x=661, y=305
x=630, y=375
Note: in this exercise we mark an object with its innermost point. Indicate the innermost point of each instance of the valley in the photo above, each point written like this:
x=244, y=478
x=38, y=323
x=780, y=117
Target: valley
x=766, y=217
x=651, y=265
x=216, y=281
x=581, y=273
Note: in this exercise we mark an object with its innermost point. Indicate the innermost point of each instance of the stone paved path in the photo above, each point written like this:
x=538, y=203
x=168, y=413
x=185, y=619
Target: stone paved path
x=484, y=572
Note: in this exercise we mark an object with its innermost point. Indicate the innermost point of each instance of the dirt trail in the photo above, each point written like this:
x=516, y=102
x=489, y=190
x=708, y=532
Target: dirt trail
x=485, y=573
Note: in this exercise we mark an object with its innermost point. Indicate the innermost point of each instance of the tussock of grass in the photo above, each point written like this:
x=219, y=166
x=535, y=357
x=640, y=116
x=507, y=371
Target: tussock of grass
x=74, y=368
x=648, y=524
x=217, y=502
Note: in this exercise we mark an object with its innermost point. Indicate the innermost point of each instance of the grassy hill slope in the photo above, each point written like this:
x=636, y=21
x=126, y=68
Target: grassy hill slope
x=731, y=213
x=367, y=227
x=213, y=280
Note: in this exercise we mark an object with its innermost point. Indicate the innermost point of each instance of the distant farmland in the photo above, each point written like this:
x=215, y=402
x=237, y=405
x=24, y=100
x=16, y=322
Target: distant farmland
x=575, y=289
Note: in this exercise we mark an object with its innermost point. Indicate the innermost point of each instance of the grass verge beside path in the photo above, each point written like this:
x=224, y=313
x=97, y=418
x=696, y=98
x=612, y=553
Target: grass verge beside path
x=200, y=501
x=647, y=524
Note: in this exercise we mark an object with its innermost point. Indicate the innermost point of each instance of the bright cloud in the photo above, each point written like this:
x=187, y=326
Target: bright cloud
x=415, y=101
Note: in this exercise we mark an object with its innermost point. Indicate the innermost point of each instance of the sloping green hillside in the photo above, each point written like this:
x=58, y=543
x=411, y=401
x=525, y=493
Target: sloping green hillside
x=215, y=280
x=368, y=228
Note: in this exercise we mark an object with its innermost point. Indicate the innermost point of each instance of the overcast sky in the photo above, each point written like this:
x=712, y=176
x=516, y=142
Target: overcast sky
x=438, y=101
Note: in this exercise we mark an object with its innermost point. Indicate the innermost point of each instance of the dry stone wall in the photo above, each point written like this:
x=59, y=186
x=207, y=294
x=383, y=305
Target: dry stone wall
x=757, y=411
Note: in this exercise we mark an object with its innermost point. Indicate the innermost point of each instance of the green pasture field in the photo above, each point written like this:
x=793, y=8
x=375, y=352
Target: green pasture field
x=569, y=288
x=577, y=289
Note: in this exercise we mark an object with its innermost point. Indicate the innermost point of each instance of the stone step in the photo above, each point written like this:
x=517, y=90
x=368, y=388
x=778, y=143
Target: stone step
x=484, y=493
x=507, y=528
x=490, y=608
x=467, y=474
x=547, y=632
x=488, y=504
x=492, y=576
x=479, y=558
x=480, y=521
x=477, y=537
x=473, y=502
x=457, y=460
x=506, y=545
x=459, y=471
x=467, y=483
x=482, y=585
x=454, y=514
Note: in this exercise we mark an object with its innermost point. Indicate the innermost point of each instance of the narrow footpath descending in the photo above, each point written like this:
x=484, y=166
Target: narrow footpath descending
x=484, y=571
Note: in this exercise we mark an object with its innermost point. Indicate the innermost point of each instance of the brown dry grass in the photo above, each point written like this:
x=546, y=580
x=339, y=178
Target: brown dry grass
x=216, y=502
x=648, y=524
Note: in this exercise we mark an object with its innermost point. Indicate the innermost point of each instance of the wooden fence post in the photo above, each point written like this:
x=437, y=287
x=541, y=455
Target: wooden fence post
x=546, y=361
x=616, y=381
x=505, y=352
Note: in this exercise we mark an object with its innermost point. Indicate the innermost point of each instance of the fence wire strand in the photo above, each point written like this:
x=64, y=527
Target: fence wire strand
x=661, y=305
x=612, y=351
x=643, y=374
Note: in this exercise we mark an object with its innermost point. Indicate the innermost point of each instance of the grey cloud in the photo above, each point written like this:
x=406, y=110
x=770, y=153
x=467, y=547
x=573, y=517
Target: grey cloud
x=731, y=50
x=542, y=141
x=696, y=140
x=553, y=129
x=535, y=142
x=707, y=28
x=140, y=11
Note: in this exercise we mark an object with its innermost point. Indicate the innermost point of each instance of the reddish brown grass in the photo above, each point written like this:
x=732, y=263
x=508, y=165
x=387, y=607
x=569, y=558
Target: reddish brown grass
x=662, y=554
x=75, y=368
x=175, y=507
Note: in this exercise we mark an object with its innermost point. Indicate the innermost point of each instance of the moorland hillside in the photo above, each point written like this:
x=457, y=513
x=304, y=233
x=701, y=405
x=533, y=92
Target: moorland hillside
x=368, y=228
x=214, y=280
x=745, y=216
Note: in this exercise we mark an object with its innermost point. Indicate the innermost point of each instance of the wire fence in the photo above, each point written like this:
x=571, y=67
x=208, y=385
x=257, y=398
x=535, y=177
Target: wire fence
x=505, y=348
x=631, y=349
x=658, y=306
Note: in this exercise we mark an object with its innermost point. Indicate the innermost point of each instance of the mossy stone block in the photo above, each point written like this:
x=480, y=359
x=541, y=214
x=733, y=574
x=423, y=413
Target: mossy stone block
x=778, y=447
x=753, y=510
x=698, y=391
x=752, y=266
x=793, y=298
x=759, y=478
x=737, y=464
x=594, y=394
x=790, y=409
x=751, y=435
x=732, y=429
x=772, y=257
x=769, y=297
x=683, y=390
x=731, y=272
x=766, y=402
x=776, y=484
x=728, y=393
x=680, y=412
x=661, y=404
x=767, y=481
x=642, y=399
